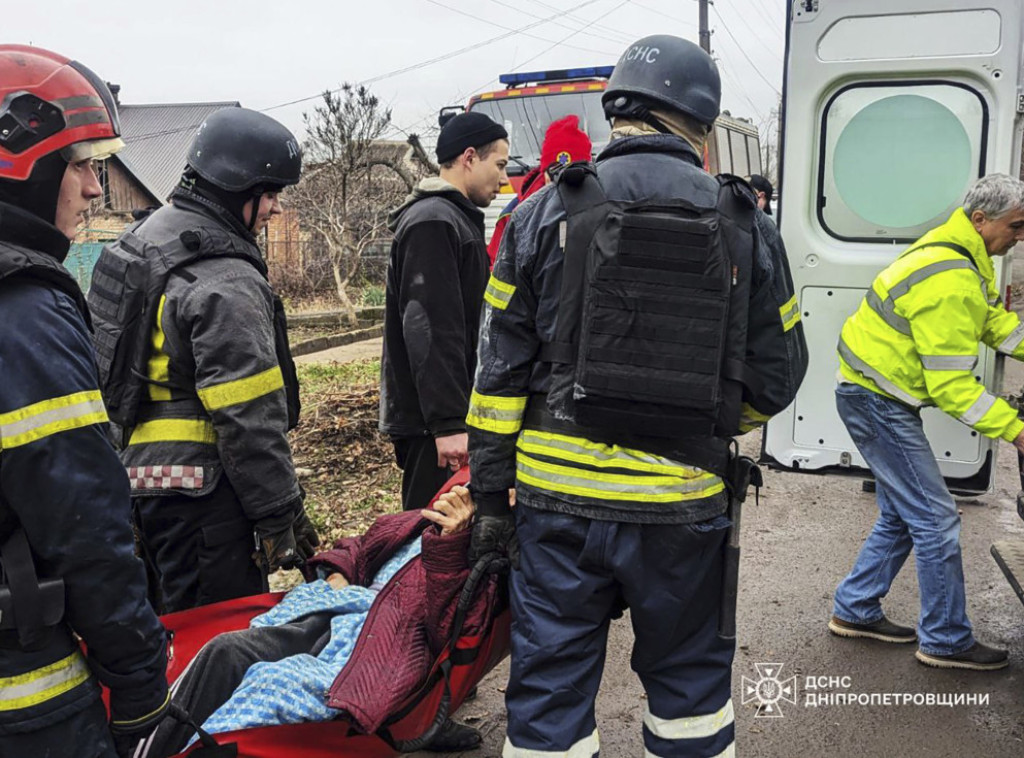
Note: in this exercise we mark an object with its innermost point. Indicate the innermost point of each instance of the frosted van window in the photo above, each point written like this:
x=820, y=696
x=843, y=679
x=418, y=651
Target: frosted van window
x=897, y=159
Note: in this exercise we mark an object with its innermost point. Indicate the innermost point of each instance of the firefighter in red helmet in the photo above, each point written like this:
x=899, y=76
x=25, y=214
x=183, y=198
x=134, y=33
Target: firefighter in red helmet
x=69, y=571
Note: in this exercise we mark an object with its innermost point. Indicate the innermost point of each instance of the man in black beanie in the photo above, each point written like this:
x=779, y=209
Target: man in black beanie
x=435, y=289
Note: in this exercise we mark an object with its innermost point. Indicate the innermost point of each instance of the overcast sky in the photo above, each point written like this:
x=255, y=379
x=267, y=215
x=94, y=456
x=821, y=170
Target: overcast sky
x=268, y=52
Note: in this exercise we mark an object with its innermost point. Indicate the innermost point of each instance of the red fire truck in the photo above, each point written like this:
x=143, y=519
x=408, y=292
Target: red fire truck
x=531, y=101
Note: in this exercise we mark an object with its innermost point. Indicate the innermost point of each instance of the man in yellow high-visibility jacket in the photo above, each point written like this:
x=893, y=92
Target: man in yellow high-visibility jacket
x=914, y=342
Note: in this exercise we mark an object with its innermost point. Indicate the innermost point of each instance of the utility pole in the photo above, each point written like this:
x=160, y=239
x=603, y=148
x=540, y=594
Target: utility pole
x=705, y=33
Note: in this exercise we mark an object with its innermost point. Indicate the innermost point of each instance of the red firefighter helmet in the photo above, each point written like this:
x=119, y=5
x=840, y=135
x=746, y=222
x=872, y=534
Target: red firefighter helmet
x=50, y=103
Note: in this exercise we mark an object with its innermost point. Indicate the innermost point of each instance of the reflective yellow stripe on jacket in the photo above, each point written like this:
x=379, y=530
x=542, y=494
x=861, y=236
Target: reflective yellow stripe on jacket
x=174, y=430
x=493, y=413
x=46, y=683
x=159, y=361
x=915, y=336
x=239, y=391
x=578, y=466
x=790, y=314
x=498, y=293
x=42, y=419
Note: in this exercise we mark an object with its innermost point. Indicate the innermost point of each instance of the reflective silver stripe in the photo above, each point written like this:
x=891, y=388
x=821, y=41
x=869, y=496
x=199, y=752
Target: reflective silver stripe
x=977, y=411
x=1012, y=342
x=691, y=727
x=598, y=484
x=886, y=310
x=585, y=748
x=599, y=455
x=33, y=422
x=926, y=272
x=871, y=373
x=949, y=362
x=42, y=684
x=729, y=752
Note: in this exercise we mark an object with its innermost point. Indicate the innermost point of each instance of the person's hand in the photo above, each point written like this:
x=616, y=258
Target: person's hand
x=337, y=580
x=452, y=451
x=453, y=510
x=495, y=534
x=1019, y=443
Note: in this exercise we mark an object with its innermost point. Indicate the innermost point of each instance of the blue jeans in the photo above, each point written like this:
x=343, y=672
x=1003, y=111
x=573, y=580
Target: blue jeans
x=916, y=512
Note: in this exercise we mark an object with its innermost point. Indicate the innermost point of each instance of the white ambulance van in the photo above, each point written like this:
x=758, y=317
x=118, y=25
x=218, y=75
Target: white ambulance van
x=891, y=110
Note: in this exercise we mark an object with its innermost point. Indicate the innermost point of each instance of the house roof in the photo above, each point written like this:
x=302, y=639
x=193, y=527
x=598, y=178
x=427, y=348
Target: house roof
x=156, y=139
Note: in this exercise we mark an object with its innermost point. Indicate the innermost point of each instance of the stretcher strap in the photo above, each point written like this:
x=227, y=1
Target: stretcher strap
x=490, y=563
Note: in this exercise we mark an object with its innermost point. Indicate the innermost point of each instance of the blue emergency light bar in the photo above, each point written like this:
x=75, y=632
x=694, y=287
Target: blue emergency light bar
x=513, y=80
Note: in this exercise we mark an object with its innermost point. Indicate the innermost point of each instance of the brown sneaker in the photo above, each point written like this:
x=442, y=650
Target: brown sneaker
x=883, y=630
x=977, y=657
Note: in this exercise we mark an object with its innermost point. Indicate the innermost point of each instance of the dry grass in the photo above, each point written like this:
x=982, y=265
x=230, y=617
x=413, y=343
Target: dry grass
x=354, y=478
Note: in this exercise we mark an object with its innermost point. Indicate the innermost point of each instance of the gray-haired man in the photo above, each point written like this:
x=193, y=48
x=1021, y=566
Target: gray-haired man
x=914, y=342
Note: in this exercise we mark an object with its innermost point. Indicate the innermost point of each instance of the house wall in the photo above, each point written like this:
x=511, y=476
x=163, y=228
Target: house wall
x=123, y=191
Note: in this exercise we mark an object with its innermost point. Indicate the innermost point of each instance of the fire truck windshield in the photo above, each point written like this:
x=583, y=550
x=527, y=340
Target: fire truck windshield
x=527, y=118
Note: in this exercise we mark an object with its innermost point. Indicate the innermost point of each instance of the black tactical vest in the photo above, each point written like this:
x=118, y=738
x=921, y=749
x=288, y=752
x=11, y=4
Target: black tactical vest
x=652, y=324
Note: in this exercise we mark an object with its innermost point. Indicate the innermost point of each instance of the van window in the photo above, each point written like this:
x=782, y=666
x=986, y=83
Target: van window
x=896, y=159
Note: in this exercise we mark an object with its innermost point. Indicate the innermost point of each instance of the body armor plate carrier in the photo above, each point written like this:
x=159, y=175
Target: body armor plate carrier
x=652, y=324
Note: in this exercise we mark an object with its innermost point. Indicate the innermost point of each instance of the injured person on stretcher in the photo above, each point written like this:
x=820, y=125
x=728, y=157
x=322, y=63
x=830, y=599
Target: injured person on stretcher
x=354, y=642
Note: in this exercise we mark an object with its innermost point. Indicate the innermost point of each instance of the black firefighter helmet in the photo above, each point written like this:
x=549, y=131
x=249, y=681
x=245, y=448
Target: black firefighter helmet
x=237, y=149
x=662, y=71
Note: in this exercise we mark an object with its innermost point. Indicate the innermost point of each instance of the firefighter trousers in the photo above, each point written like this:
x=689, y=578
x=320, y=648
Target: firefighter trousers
x=198, y=550
x=575, y=575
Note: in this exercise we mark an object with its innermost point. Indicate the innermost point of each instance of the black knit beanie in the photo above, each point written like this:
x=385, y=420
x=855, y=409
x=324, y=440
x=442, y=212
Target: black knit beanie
x=467, y=130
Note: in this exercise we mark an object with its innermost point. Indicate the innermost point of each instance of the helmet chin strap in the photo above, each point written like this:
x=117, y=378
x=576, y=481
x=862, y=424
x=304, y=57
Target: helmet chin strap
x=257, y=196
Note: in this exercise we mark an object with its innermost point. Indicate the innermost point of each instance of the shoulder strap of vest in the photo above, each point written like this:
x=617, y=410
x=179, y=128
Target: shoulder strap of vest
x=959, y=249
x=581, y=193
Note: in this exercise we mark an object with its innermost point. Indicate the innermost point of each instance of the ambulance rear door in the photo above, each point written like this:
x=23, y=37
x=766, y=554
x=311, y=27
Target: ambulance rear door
x=891, y=110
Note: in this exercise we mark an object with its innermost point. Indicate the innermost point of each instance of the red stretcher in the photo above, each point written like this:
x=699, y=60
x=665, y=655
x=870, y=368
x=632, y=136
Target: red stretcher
x=459, y=668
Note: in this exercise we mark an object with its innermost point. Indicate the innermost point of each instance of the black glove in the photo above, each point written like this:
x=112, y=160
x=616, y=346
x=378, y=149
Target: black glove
x=277, y=542
x=128, y=730
x=494, y=534
x=306, y=539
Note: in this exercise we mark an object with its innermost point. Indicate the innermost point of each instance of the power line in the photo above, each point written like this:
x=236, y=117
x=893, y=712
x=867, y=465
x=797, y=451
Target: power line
x=763, y=12
x=396, y=72
x=626, y=39
x=572, y=34
x=509, y=28
x=744, y=52
x=773, y=53
x=662, y=13
x=618, y=39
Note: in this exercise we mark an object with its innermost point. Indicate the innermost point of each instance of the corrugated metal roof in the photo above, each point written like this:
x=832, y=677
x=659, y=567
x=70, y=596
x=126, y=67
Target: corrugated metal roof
x=157, y=138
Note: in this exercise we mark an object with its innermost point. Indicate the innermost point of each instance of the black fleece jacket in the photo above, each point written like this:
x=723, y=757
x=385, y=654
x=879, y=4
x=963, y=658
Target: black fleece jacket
x=435, y=289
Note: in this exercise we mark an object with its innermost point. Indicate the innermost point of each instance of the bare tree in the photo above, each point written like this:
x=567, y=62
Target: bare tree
x=351, y=180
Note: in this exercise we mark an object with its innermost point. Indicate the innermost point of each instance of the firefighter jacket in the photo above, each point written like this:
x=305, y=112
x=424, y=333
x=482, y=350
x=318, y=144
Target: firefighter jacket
x=564, y=470
x=61, y=482
x=915, y=336
x=222, y=390
x=436, y=279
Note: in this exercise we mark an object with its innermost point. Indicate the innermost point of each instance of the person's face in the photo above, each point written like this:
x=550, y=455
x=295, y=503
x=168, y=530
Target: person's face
x=486, y=176
x=762, y=200
x=1000, y=234
x=270, y=205
x=78, y=189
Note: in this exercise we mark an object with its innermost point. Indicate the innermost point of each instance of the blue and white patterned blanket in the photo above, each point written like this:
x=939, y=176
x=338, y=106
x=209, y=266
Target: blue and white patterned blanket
x=295, y=689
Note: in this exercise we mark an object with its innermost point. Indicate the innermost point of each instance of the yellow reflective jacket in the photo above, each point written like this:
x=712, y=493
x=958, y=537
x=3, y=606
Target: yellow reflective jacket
x=915, y=336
